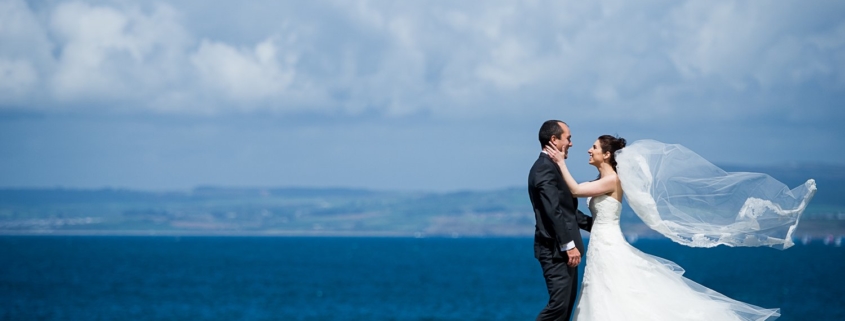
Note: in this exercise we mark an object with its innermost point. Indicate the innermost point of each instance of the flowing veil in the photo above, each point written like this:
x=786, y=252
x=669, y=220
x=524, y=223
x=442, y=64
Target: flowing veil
x=681, y=195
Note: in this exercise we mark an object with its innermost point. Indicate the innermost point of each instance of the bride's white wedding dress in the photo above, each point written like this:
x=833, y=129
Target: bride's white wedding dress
x=623, y=283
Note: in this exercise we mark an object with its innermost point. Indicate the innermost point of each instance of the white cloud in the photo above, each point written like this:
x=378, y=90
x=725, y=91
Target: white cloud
x=770, y=44
x=16, y=78
x=116, y=54
x=22, y=34
x=24, y=53
x=661, y=59
x=246, y=74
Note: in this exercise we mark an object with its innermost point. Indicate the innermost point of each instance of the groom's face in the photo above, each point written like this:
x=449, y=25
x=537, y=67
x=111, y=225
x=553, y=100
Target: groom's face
x=565, y=140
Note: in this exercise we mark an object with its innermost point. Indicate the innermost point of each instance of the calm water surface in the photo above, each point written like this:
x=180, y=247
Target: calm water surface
x=264, y=278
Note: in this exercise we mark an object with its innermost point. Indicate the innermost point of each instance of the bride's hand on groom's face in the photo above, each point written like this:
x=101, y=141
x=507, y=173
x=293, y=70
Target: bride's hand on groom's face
x=556, y=155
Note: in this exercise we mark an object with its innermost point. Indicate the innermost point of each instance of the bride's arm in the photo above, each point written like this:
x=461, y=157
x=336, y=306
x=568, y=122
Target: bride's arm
x=598, y=187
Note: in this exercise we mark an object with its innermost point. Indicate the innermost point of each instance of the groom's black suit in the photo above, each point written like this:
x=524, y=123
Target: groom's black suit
x=558, y=222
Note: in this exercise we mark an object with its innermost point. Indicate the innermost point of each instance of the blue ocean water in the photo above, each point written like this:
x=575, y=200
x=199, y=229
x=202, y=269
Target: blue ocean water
x=277, y=278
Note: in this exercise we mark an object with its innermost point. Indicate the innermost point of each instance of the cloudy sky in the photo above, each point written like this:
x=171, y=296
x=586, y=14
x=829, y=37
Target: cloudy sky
x=411, y=95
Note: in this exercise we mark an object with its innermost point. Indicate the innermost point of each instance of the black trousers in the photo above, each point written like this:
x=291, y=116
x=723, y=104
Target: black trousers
x=561, y=281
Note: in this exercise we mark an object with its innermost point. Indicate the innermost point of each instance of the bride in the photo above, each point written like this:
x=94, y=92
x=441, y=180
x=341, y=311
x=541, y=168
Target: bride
x=622, y=283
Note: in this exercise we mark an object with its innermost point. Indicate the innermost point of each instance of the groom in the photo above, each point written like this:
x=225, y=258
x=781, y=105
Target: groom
x=557, y=239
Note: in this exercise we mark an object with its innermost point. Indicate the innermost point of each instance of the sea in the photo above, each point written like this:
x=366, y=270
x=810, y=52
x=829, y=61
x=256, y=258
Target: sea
x=360, y=278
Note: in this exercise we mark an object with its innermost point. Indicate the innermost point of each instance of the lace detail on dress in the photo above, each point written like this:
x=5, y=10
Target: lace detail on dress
x=605, y=209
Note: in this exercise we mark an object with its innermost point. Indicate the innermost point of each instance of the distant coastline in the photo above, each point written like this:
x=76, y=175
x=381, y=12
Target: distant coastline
x=345, y=212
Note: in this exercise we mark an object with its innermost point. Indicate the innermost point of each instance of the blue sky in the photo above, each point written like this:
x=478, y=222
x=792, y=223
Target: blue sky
x=411, y=95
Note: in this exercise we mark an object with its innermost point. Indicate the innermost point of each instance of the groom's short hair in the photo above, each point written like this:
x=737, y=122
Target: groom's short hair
x=550, y=128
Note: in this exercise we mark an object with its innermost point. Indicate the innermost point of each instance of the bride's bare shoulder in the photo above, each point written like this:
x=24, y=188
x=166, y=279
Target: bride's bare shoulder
x=617, y=191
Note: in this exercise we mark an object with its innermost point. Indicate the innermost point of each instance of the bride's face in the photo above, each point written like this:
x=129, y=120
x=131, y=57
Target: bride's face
x=596, y=156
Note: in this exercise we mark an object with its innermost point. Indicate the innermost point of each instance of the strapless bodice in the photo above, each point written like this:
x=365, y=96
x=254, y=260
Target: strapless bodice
x=605, y=209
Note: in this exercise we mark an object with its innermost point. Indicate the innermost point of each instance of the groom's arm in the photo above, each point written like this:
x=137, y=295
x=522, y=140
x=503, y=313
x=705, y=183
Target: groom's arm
x=550, y=202
x=585, y=222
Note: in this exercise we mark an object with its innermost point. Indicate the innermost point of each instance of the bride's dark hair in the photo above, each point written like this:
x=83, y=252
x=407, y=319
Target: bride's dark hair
x=611, y=144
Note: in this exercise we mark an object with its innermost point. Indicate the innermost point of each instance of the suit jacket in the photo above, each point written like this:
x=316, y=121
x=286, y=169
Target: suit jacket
x=555, y=209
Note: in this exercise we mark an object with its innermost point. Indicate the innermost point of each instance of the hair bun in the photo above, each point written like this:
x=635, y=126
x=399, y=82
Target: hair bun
x=611, y=144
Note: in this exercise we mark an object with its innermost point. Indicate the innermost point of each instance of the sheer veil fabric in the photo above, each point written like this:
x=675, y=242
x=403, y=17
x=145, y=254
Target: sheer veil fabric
x=681, y=195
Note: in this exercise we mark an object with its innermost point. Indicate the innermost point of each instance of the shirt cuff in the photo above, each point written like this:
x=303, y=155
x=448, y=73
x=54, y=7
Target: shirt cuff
x=568, y=246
